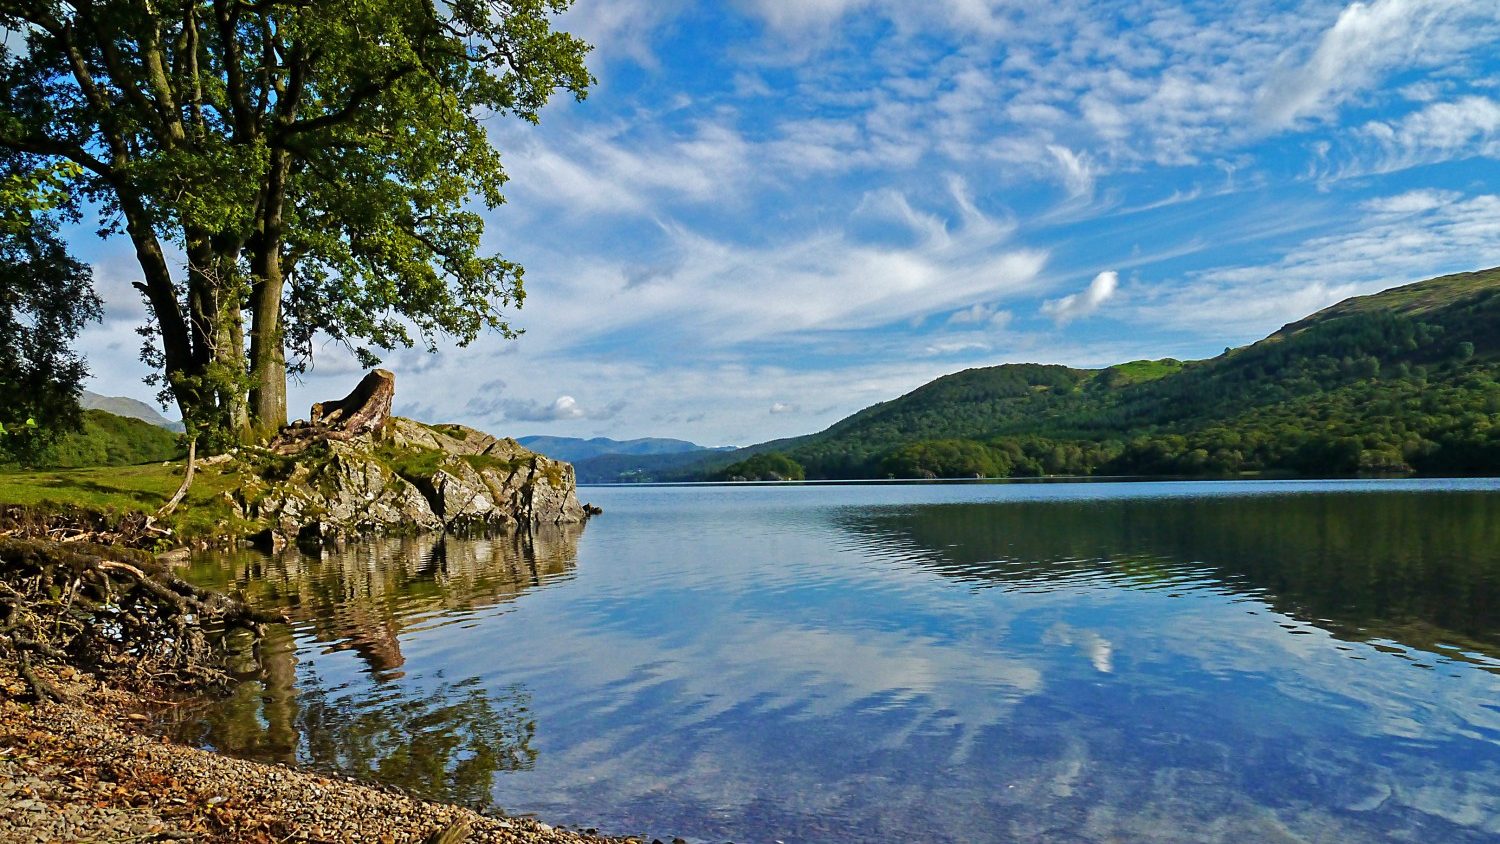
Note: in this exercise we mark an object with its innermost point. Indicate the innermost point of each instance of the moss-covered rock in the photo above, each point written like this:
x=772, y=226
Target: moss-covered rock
x=406, y=476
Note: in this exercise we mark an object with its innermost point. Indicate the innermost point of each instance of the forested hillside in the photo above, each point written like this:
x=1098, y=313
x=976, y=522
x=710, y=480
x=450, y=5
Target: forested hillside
x=105, y=439
x=1402, y=381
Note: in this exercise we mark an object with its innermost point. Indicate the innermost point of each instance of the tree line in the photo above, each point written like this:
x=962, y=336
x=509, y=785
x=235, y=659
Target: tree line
x=1374, y=391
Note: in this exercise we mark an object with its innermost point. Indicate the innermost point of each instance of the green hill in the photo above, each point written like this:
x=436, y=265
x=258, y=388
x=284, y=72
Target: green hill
x=109, y=440
x=1401, y=381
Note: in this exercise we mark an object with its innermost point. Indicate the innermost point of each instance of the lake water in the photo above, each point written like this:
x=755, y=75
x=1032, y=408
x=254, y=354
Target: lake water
x=1219, y=661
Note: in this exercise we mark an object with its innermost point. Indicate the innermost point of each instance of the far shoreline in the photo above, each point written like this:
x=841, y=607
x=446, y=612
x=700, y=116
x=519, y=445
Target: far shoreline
x=1048, y=479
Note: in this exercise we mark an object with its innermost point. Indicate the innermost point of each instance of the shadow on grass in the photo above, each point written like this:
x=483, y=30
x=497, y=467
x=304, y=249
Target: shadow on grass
x=65, y=485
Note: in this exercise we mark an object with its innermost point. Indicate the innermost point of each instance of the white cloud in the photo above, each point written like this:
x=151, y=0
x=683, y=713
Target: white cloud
x=1078, y=305
x=1462, y=128
x=563, y=407
x=722, y=293
x=795, y=18
x=1075, y=171
x=1411, y=202
x=1405, y=238
x=955, y=348
x=802, y=14
x=597, y=171
x=783, y=407
x=620, y=27
x=981, y=314
x=1364, y=41
x=492, y=407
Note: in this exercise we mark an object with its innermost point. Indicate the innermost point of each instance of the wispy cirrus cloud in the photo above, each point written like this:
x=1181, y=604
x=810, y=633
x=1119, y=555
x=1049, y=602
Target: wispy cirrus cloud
x=1366, y=41
x=1399, y=238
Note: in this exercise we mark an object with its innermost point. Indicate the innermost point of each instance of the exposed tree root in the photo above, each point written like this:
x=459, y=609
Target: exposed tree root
x=134, y=623
x=129, y=529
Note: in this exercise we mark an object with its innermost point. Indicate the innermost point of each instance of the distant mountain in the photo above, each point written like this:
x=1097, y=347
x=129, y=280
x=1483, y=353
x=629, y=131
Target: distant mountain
x=1407, y=380
x=129, y=408
x=573, y=449
x=604, y=461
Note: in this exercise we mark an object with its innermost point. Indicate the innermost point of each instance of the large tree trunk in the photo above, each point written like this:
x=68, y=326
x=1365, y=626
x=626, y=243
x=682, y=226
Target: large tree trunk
x=234, y=334
x=267, y=356
x=161, y=294
x=267, y=344
x=214, y=302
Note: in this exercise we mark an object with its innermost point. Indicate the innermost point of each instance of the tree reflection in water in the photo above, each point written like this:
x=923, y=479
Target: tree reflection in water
x=437, y=738
x=1419, y=570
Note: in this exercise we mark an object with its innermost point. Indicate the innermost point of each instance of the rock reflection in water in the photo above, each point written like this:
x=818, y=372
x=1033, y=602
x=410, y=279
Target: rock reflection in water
x=436, y=737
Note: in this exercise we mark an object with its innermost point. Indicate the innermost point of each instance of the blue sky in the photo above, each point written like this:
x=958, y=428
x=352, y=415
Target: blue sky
x=772, y=213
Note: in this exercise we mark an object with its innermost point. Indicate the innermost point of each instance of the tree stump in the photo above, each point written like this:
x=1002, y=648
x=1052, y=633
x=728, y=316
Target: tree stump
x=361, y=412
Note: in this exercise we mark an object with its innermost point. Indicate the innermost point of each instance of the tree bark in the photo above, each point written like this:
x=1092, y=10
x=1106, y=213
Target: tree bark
x=215, y=304
x=267, y=346
x=176, y=340
x=267, y=355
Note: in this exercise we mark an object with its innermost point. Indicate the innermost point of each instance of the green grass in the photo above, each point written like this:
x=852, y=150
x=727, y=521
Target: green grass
x=412, y=463
x=145, y=488
x=118, y=488
x=422, y=463
x=1140, y=371
x=1413, y=299
x=481, y=462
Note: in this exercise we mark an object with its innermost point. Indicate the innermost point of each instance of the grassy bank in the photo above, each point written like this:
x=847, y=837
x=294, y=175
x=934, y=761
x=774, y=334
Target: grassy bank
x=206, y=513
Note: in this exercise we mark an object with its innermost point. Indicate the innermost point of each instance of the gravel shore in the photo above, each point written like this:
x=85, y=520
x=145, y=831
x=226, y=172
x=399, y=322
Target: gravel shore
x=90, y=770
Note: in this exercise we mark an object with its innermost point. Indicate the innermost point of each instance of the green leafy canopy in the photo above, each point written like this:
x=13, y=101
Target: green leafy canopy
x=323, y=166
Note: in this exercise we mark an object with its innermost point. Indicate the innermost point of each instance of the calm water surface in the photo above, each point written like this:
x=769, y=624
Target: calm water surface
x=1238, y=661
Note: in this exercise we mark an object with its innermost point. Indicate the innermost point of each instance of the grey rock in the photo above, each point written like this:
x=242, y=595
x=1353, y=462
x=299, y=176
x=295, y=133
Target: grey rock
x=406, y=476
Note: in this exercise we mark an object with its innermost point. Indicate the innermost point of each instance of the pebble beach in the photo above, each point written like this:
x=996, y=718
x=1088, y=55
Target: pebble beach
x=91, y=769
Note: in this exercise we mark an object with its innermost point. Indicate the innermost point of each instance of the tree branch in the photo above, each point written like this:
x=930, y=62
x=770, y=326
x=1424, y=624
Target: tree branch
x=241, y=111
x=118, y=70
x=361, y=95
x=37, y=145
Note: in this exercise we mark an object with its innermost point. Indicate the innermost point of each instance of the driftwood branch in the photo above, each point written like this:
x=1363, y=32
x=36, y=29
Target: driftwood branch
x=187, y=480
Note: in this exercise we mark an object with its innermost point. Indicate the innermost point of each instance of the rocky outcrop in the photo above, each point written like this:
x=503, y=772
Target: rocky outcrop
x=357, y=470
x=403, y=477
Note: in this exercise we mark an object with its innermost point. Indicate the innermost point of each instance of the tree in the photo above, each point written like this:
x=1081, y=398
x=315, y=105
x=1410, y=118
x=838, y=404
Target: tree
x=46, y=298
x=26, y=193
x=774, y=466
x=315, y=163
